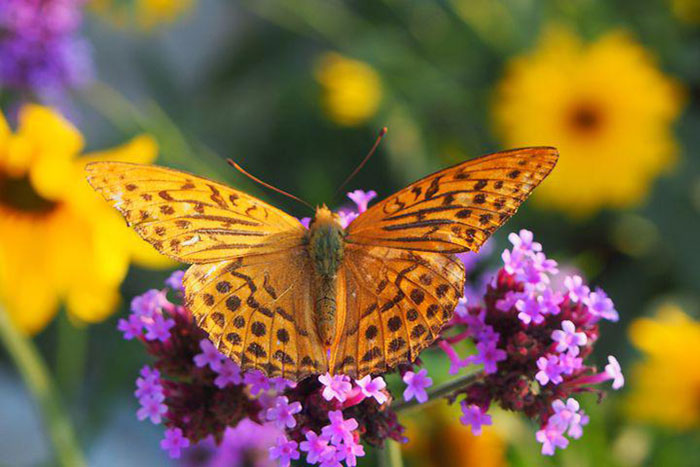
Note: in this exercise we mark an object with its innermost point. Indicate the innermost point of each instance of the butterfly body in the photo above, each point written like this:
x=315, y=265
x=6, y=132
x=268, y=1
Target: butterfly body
x=326, y=245
x=275, y=296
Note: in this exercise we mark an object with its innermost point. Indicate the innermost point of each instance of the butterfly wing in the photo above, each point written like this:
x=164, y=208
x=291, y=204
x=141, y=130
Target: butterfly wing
x=458, y=208
x=257, y=310
x=192, y=219
x=393, y=304
x=399, y=282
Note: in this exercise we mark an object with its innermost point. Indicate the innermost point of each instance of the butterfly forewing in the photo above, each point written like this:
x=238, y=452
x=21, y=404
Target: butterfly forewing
x=189, y=218
x=258, y=311
x=458, y=208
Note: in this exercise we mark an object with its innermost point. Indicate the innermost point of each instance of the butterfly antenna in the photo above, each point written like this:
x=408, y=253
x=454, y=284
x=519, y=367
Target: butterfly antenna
x=267, y=185
x=364, y=161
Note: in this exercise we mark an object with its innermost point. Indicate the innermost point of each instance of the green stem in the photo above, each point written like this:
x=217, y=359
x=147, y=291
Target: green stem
x=37, y=379
x=437, y=392
x=71, y=352
x=390, y=456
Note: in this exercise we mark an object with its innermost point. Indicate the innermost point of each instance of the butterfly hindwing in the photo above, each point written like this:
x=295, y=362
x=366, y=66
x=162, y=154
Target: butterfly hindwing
x=458, y=208
x=258, y=310
x=189, y=218
x=392, y=304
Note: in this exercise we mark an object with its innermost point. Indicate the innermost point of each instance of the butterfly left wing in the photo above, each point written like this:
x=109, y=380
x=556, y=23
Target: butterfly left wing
x=258, y=311
x=392, y=304
x=458, y=208
x=192, y=219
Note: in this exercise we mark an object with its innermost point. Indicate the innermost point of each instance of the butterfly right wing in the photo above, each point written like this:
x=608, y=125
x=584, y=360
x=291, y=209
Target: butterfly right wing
x=189, y=218
x=258, y=311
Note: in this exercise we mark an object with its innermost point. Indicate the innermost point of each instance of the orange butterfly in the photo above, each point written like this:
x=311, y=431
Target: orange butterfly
x=294, y=302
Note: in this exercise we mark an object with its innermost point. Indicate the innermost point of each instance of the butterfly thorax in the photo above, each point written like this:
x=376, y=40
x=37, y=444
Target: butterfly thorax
x=326, y=239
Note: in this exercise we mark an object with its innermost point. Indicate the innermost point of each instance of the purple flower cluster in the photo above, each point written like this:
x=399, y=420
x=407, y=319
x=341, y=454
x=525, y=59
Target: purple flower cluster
x=527, y=331
x=531, y=341
x=40, y=48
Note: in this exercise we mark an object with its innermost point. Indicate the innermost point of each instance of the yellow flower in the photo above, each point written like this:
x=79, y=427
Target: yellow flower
x=605, y=106
x=665, y=385
x=58, y=240
x=352, y=90
x=146, y=14
x=437, y=438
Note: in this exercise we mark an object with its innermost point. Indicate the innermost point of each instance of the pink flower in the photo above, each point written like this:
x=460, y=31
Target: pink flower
x=282, y=414
x=285, y=450
x=210, y=356
x=339, y=428
x=316, y=447
x=362, y=198
x=614, y=370
x=229, y=373
x=131, y=327
x=174, y=442
x=551, y=438
x=578, y=291
x=416, y=385
x=335, y=387
x=474, y=417
x=489, y=355
x=523, y=241
x=600, y=306
x=568, y=339
x=159, y=328
x=550, y=370
x=257, y=381
x=175, y=281
x=152, y=408
x=373, y=388
x=350, y=451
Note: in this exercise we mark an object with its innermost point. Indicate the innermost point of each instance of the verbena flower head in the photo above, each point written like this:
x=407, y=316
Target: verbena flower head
x=532, y=364
x=41, y=50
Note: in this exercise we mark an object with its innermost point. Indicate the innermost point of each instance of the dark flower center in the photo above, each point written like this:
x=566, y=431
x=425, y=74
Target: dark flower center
x=585, y=118
x=18, y=194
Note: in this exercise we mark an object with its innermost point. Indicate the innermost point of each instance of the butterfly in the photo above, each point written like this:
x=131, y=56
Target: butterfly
x=293, y=301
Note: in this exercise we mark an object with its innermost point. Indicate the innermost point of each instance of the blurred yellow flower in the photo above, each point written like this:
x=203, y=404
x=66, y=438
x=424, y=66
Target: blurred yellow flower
x=352, y=89
x=58, y=241
x=665, y=385
x=436, y=438
x=605, y=106
x=146, y=14
x=687, y=11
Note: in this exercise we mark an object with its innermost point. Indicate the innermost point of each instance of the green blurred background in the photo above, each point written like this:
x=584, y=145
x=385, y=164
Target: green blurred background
x=296, y=93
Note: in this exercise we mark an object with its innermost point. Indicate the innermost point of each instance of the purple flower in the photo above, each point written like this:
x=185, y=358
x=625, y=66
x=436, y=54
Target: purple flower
x=578, y=291
x=569, y=363
x=174, y=442
x=148, y=384
x=335, y=387
x=257, y=380
x=456, y=363
x=228, y=374
x=416, y=385
x=614, y=371
x=489, y=355
x=600, y=306
x=513, y=262
x=551, y=438
x=350, y=451
x=339, y=428
x=550, y=370
x=362, y=198
x=175, y=281
x=210, y=356
x=316, y=447
x=285, y=450
x=131, y=327
x=523, y=241
x=474, y=417
x=373, y=388
x=148, y=304
x=530, y=310
x=152, y=408
x=282, y=414
x=568, y=339
x=280, y=384
x=346, y=217
x=564, y=413
x=159, y=328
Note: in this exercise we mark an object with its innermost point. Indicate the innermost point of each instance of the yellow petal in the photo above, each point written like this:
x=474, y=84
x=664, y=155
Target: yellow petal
x=49, y=132
x=52, y=176
x=141, y=149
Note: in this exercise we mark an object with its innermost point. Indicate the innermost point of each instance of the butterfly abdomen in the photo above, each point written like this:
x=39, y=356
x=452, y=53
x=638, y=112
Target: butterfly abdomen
x=326, y=249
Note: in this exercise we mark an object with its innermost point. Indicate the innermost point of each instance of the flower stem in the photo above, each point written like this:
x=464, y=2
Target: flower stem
x=71, y=352
x=37, y=379
x=390, y=456
x=438, y=391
